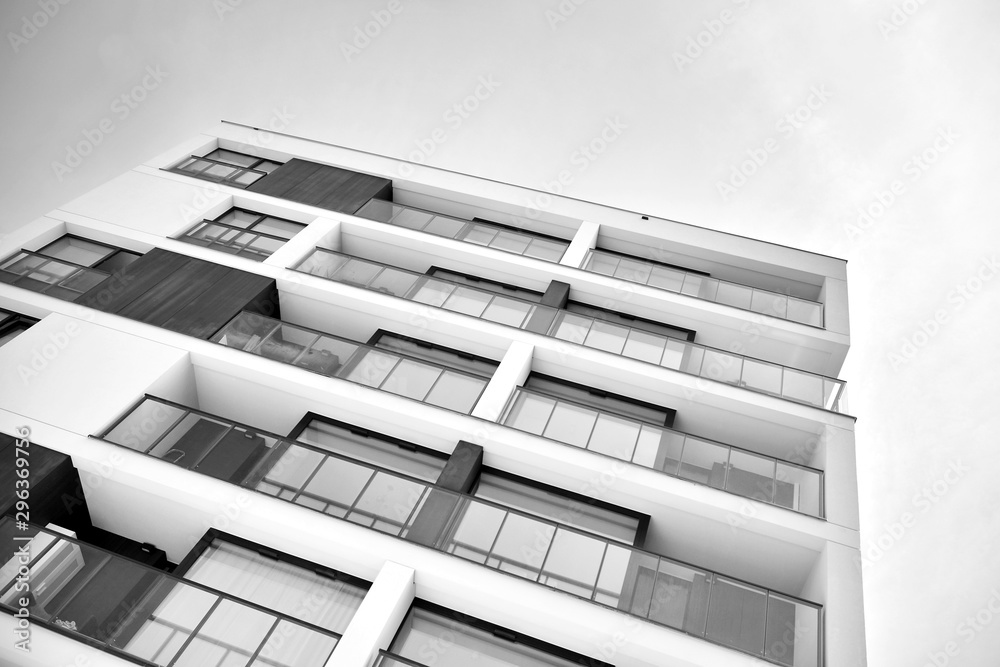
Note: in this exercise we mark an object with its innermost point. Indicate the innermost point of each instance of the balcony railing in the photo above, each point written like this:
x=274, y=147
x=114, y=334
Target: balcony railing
x=338, y=357
x=739, y=471
x=144, y=615
x=680, y=355
x=705, y=287
x=480, y=233
x=721, y=609
x=55, y=277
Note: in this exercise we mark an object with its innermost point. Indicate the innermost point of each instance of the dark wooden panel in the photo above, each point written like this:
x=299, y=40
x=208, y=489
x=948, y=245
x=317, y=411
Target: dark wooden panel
x=235, y=291
x=127, y=285
x=324, y=186
x=56, y=495
x=175, y=292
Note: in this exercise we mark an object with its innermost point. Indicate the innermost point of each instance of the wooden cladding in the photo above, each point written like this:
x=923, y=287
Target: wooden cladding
x=182, y=293
x=322, y=186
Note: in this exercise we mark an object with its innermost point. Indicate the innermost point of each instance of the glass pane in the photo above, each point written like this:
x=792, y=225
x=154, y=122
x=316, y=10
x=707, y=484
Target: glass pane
x=377, y=209
x=389, y=498
x=326, y=355
x=267, y=166
x=722, y=367
x=457, y=392
x=683, y=357
x=667, y=279
x=232, y=157
x=291, y=645
x=77, y=251
x=637, y=272
x=614, y=436
x=510, y=241
x=614, y=570
x=141, y=428
x=479, y=234
x=769, y=303
x=644, y=346
x=190, y=441
x=679, y=597
x=798, y=488
x=322, y=264
x=475, y=532
x=530, y=412
x=208, y=232
x=371, y=449
x=238, y=217
x=468, y=301
x=751, y=476
x=84, y=280
x=412, y=219
x=357, y=272
x=550, y=251
x=294, y=467
x=803, y=387
x=736, y=616
x=432, y=292
x=571, y=327
x=22, y=263
x=606, y=336
x=573, y=562
x=266, y=246
x=792, y=632
x=659, y=449
x=412, y=379
x=507, y=311
x=219, y=171
x=286, y=229
x=761, y=376
x=521, y=545
x=805, y=312
x=601, y=263
x=286, y=343
x=704, y=462
x=734, y=295
x=372, y=368
x=166, y=628
x=396, y=283
x=446, y=227
x=571, y=424
x=339, y=481
x=246, y=331
x=232, y=633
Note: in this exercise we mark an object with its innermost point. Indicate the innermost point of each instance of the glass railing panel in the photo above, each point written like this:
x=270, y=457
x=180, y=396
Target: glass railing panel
x=389, y=660
x=573, y=562
x=703, y=287
x=798, y=488
x=615, y=436
x=680, y=596
x=751, y=476
x=521, y=546
x=291, y=645
x=792, y=635
x=737, y=615
x=476, y=528
x=665, y=351
x=659, y=449
x=704, y=462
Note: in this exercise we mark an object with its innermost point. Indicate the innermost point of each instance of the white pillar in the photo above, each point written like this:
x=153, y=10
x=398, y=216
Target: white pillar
x=583, y=242
x=321, y=232
x=511, y=374
x=377, y=619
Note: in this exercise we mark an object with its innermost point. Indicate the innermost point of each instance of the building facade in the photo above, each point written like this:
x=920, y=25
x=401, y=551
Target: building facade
x=268, y=401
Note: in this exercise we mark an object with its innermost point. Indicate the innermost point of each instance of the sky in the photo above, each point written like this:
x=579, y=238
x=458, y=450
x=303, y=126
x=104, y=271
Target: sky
x=863, y=130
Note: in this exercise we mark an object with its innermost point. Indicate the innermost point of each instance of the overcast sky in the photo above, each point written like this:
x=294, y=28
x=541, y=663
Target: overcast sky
x=871, y=127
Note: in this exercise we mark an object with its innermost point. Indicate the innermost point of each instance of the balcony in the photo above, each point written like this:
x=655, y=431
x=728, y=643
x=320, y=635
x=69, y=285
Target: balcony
x=679, y=355
x=338, y=357
x=478, y=232
x=701, y=286
x=723, y=610
x=721, y=466
x=145, y=615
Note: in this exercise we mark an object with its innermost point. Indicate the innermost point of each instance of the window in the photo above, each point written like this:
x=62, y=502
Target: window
x=225, y=166
x=65, y=268
x=631, y=321
x=299, y=589
x=374, y=448
x=436, y=354
x=432, y=635
x=566, y=508
x=485, y=284
x=13, y=325
x=245, y=233
x=477, y=231
x=599, y=399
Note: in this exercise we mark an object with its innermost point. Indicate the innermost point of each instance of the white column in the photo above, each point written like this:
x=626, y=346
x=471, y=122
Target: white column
x=583, y=242
x=377, y=619
x=322, y=232
x=511, y=374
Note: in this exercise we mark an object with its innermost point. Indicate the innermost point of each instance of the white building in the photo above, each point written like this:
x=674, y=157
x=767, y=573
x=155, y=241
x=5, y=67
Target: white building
x=497, y=422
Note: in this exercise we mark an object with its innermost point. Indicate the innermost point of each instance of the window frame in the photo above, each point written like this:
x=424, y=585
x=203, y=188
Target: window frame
x=600, y=393
x=506, y=289
x=690, y=333
x=223, y=180
x=419, y=342
x=242, y=250
x=676, y=267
